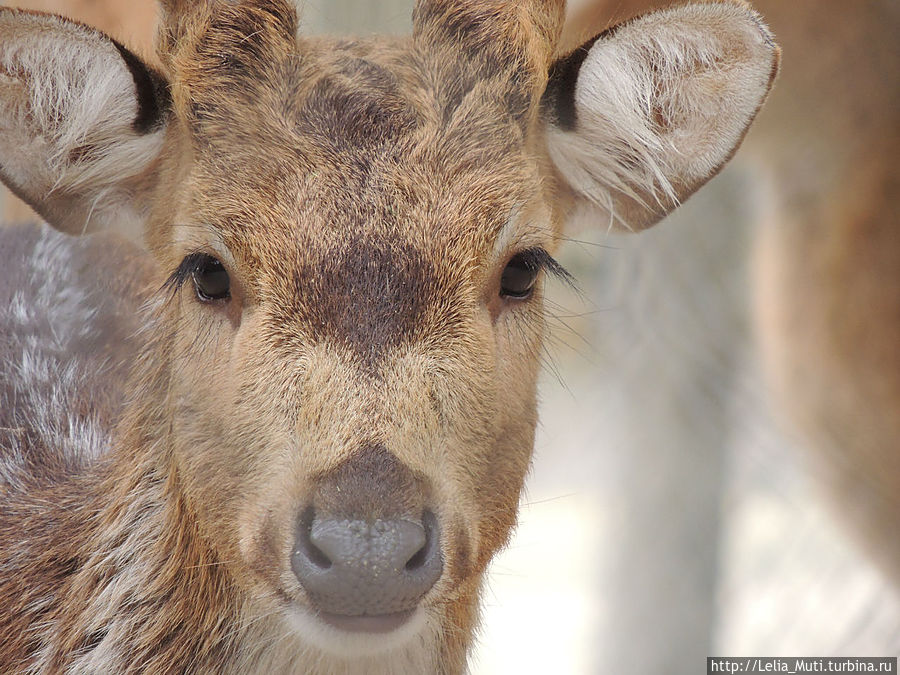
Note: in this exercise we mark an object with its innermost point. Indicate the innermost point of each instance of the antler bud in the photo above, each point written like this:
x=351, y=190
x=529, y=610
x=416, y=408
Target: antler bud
x=510, y=42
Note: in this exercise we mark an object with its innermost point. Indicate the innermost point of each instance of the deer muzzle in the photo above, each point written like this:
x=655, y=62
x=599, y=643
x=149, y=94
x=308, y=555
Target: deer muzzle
x=367, y=550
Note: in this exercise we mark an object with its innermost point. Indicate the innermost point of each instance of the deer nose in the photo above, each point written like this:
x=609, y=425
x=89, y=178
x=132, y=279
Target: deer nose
x=354, y=567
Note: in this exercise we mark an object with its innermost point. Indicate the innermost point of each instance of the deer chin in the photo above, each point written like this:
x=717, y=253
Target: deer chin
x=350, y=637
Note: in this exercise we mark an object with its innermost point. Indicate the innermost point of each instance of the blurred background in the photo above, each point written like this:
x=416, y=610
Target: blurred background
x=681, y=505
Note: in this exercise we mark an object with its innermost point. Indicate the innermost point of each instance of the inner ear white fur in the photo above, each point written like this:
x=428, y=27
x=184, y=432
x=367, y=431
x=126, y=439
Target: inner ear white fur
x=69, y=145
x=661, y=103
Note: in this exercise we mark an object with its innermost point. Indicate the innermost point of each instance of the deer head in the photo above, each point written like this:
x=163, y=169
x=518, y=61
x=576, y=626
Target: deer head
x=351, y=238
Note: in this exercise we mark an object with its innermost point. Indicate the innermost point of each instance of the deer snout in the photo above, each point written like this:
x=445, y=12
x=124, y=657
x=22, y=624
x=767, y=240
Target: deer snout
x=358, y=568
x=367, y=548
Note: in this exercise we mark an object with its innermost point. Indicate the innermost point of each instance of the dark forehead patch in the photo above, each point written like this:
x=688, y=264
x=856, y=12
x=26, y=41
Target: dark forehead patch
x=369, y=295
x=359, y=106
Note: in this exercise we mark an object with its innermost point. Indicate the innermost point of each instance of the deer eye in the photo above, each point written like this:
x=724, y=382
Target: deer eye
x=210, y=279
x=519, y=276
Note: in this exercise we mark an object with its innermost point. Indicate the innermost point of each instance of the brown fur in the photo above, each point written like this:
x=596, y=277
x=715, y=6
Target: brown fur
x=828, y=257
x=303, y=263
x=365, y=196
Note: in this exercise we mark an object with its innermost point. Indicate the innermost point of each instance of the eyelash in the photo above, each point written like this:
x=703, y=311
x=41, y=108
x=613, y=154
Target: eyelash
x=186, y=270
x=538, y=258
x=520, y=275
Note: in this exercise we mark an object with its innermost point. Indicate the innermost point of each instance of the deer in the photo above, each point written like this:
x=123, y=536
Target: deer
x=314, y=422
x=827, y=264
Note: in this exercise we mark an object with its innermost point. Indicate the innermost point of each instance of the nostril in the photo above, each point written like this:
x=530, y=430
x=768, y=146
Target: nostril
x=421, y=557
x=417, y=560
x=305, y=546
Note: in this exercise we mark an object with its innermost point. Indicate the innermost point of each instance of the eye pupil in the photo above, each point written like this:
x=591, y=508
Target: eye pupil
x=518, y=277
x=211, y=280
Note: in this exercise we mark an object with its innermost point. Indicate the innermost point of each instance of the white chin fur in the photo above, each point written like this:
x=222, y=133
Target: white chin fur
x=347, y=645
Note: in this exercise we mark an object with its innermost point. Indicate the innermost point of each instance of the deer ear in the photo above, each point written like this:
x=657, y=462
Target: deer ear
x=644, y=114
x=81, y=123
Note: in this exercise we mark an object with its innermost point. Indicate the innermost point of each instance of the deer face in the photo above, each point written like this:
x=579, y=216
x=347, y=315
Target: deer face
x=356, y=323
x=356, y=318
x=355, y=236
